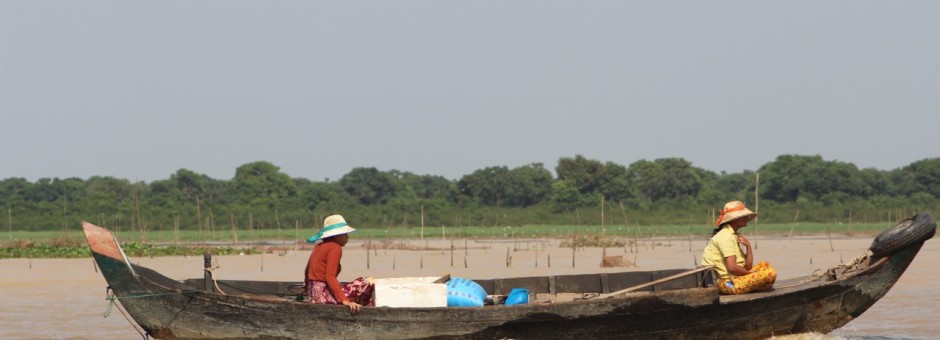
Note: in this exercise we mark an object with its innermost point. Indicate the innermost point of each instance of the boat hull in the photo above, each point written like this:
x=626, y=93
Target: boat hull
x=169, y=309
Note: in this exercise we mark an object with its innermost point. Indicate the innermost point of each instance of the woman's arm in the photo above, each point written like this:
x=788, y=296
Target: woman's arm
x=332, y=271
x=731, y=262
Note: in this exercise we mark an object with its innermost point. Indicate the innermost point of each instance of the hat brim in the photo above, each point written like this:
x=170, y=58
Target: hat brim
x=746, y=213
x=336, y=232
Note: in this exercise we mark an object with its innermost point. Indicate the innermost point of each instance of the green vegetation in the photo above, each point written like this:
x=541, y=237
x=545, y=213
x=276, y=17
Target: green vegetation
x=665, y=196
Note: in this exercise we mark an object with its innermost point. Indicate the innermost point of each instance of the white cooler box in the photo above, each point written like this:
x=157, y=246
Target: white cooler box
x=410, y=292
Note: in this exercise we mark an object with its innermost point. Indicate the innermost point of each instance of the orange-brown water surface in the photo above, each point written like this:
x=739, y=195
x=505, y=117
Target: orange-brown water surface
x=66, y=298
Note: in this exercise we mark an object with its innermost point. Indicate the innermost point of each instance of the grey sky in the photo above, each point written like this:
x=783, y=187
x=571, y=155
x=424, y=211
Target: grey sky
x=140, y=89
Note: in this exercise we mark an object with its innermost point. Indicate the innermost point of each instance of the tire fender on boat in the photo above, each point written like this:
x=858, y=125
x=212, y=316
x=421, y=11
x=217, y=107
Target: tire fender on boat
x=913, y=230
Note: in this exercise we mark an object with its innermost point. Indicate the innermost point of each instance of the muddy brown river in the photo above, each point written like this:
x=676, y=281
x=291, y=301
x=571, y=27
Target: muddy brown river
x=66, y=298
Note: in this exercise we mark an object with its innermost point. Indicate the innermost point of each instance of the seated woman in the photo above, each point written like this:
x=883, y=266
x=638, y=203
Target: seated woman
x=324, y=265
x=736, y=273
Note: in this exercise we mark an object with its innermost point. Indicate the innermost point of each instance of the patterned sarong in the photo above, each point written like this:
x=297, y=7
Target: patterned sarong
x=359, y=291
x=763, y=277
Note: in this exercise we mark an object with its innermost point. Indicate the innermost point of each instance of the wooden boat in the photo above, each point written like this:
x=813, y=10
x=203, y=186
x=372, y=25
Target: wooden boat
x=665, y=304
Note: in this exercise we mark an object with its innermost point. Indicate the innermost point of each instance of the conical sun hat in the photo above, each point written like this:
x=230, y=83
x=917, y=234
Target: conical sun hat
x=734, y=210
x=333, y=225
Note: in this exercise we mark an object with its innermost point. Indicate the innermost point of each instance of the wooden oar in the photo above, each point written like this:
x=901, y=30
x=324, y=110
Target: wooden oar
x=665, y=279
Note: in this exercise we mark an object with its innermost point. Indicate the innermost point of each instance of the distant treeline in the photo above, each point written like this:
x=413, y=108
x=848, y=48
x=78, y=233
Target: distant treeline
x=663, y=191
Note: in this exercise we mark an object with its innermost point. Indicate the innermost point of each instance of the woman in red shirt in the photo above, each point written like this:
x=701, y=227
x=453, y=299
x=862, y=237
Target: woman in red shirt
x=324, y=266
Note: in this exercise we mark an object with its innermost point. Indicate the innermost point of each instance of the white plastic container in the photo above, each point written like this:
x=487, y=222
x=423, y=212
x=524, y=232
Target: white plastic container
x=410, y=292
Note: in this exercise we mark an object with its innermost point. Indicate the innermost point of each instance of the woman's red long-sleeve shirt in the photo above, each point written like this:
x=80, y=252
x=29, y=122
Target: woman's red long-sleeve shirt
x=324, y=265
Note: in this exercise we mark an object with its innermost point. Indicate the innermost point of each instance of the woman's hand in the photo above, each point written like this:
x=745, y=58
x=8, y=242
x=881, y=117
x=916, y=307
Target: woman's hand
x=353, y=307
x=749, y=255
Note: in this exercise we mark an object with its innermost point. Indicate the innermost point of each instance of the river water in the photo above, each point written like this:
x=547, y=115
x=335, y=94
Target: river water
x=66, y=298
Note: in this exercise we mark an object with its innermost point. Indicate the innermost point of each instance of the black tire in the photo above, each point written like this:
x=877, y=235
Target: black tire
x=912, y=230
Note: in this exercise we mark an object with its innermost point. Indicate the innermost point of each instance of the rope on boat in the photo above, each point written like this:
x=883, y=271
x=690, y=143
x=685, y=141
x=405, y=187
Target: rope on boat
x=212, y=274
x=111, y=298
x=832, y=275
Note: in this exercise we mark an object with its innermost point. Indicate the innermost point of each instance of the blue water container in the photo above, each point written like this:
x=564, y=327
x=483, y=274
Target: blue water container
x=518, y=296
x=464, y=293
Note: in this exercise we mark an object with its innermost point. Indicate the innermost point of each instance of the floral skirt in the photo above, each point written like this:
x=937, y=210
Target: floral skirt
x=359, y=291
x=762, y=277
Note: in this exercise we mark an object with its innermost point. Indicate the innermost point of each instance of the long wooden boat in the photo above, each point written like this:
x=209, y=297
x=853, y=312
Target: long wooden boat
x=664, y=304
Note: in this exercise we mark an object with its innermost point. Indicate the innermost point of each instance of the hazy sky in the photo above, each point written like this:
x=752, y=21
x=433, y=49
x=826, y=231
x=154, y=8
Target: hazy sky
x=140, y=89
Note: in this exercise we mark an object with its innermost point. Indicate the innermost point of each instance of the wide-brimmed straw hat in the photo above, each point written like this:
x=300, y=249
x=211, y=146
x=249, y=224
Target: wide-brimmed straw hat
x=333, y=225
x=734, y=210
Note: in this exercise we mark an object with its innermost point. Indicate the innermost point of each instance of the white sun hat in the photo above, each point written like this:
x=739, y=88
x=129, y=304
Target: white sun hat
x=333, y=225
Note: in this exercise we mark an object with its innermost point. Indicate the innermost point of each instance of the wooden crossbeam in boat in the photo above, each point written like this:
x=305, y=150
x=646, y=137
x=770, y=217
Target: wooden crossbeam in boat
x=443, y=279
x=655, y=282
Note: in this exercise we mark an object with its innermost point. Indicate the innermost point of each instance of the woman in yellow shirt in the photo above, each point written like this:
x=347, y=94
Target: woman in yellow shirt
x=737, y=274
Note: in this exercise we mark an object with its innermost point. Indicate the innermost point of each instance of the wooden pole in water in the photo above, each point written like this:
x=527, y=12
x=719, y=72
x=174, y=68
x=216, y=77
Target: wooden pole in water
x=573, y=248
x=140, y=226
x=176, y=229
x=602, y=216
x=756, y=204
x=277, y=221
x=207, y=275
x=199, y=218
x=797, y=215
x=234, y=230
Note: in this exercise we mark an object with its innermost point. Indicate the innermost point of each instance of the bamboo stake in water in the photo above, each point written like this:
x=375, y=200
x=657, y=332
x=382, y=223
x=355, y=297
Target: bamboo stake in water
x=176, y=229
x=602, y=216
x=277, y=221
x=234, y=230
x=199, y=218
x=573, y=248
x=756, y=204
x=797, y=215
x=296, y=233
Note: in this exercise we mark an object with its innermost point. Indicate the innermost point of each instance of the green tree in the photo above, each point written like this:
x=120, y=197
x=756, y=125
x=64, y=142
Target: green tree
x=261, y=183
x=584, y=174
x=790, y=177
x=427, y=186
x=485, y=186
x=920, y=176
x=527, y=185
x=370, y=186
